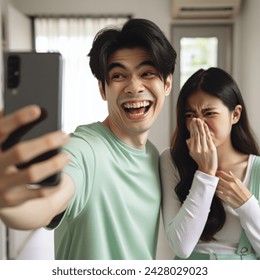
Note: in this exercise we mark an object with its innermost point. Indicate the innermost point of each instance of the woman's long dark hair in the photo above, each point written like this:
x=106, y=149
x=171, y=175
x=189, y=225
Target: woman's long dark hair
x=220, y=84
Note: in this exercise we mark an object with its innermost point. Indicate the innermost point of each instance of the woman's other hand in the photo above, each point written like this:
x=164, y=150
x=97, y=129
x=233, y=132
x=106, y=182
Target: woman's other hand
x=231, y=190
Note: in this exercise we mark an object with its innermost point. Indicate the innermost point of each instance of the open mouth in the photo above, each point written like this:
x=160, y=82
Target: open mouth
x=137, y=108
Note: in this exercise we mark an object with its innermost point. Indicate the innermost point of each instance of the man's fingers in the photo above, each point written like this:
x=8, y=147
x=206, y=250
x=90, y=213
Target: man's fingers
x=17, y=119
x=27, y=150
x=35, y=173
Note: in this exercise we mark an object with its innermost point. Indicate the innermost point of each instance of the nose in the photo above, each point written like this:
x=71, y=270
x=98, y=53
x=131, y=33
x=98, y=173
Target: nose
x=134, y=86
x=202, y=118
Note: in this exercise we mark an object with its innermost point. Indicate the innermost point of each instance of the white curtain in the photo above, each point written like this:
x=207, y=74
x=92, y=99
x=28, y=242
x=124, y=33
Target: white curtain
x=73, y=37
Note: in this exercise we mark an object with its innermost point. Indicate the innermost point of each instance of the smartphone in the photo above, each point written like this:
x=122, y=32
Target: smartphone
x=34, y=78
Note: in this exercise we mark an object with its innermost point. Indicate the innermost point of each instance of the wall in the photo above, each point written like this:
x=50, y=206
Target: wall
x=247, y=59
x=158, y=11
x=18, y=30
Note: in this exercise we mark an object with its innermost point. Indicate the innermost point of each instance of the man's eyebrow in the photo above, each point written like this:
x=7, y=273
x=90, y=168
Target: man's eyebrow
x=146, y=63
x=116, y=64
x=143, y=63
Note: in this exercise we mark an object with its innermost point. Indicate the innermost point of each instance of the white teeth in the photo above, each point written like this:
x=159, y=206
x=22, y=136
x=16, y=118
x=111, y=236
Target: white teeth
x=140, y=104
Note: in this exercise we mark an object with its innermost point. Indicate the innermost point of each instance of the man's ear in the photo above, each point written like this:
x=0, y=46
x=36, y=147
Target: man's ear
x=102, y=91
x=168, y=85
x=236, y=114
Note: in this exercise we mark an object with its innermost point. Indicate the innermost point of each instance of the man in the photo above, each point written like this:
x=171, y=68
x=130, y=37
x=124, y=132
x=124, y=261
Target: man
x=107, y=204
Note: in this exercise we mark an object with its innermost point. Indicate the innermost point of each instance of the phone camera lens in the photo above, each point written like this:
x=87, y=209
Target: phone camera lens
x=13, y=72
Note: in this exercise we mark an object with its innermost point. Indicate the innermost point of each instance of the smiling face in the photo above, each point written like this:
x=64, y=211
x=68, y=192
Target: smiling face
x=215, y=114
x=135, y=93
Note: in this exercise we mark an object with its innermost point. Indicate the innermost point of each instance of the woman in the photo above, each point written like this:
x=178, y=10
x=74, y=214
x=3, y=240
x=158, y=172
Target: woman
x=209, y=210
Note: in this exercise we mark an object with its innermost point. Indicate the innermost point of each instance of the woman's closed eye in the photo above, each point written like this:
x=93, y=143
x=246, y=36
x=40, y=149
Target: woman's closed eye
x=206, y=114
x=210, y=114
x=190, y=115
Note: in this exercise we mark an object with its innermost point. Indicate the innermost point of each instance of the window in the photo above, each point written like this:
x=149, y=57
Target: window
x=197, y=53
x=73, y=37
x=198, y=46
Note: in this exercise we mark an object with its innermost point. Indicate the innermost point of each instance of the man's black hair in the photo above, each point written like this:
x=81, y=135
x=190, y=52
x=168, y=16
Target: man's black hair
x=140, y=33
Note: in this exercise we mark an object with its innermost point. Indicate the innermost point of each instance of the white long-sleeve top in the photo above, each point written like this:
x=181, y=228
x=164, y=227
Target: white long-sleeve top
x=185, y=222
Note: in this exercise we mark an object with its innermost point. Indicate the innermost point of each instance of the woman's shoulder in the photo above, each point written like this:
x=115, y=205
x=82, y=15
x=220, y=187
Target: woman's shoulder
x=166, y=159
x=166, y=154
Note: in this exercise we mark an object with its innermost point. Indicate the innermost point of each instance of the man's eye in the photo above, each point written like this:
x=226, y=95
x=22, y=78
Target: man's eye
x=117, y=76
x=148, y=74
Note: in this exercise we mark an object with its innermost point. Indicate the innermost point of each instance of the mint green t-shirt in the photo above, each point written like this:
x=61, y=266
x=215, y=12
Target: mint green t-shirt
x=114, y=213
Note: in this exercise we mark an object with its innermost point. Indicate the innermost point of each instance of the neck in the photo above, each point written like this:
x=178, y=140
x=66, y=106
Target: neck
x=131, y=138
x=228, y=156
x=230, y=159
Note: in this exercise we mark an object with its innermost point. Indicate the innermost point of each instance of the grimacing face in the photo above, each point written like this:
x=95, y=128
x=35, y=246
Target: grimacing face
x=214, y=113
x=135, y=92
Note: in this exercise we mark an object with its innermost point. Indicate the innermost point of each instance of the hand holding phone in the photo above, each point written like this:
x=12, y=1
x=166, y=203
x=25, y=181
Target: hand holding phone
x=34, y=78
x=12, y=180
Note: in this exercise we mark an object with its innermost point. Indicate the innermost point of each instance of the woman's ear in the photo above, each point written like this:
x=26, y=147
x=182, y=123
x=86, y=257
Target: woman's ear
x=102, y=91
x=236, y=114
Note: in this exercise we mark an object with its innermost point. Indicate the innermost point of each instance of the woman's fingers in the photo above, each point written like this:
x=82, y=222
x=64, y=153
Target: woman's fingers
x=224, y=175
x=194, y=135
x=202, y=148
x=202, y=134
x=209, y=140
x=231, y=190
x=198, y=134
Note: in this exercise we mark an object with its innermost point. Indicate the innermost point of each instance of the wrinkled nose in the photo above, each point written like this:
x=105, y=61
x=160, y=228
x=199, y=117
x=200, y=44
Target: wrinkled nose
x=134, y=86
x=202, y=118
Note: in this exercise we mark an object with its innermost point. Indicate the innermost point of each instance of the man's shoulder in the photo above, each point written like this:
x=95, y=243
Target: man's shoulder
x=92, y=128
x=90, y=132
x=151, y=147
